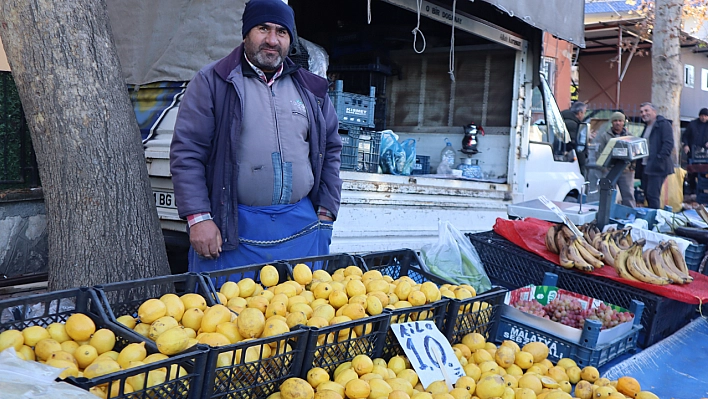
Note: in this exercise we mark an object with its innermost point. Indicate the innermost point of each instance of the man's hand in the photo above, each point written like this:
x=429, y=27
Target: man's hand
x=326, y=218
x=205, y=238
x=686, y=149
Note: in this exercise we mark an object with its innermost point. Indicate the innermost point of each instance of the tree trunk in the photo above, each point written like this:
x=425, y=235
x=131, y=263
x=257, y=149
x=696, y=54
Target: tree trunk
x=667, y=70
x=102, y=222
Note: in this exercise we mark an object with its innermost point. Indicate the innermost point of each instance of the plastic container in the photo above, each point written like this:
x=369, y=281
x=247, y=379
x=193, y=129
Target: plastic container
x=513, y=267
x=354, y=109
x=229, y=375
x=479, y=314
x=329, y=263
x=124, y=298
x=360, y=149
x=447, y=154
x=422, y=165
x=397, y=263
x=330, y=346
x=216, y=278
x=435, y=312
x=470, y=168
x=57, y=306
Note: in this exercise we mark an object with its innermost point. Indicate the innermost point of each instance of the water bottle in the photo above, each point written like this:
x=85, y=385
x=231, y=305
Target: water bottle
x=447, y=155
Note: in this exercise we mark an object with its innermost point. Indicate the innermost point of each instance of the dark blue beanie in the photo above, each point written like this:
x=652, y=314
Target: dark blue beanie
x=273, y=11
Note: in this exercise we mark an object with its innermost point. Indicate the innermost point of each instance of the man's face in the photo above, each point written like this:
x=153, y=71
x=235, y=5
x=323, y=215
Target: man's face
x=648, y=114
x=581, y=114
x=703, y=118
x=617, y=125
x=267, y=45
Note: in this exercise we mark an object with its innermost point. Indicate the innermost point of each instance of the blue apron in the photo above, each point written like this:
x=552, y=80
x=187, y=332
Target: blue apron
x=271, y=233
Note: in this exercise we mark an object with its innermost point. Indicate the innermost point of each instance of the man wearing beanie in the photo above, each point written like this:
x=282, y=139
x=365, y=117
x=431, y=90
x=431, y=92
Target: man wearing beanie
x=255, y=154
x=695, y=138
x=626, y=180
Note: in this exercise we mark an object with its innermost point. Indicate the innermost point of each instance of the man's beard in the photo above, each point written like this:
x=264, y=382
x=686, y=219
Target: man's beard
x=265, y=62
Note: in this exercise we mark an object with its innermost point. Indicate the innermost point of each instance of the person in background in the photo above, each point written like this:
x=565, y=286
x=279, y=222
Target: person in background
x=626, y=180
x=658, y=165
x=256, y=151
x=696, y=135
x=573, y=117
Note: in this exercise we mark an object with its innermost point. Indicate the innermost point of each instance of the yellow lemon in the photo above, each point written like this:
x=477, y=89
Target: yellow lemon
x=151, y=310
x=79, y=327
x=34, y=334
x=103, y=340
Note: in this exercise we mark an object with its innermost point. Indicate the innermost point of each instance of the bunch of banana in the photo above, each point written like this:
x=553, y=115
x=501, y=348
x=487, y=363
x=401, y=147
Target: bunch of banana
x=669, y=257
x=654, y=266
x=612, y=242
x=574, y=251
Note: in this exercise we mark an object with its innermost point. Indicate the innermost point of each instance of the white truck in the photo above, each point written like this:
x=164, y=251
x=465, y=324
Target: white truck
x=498, y=84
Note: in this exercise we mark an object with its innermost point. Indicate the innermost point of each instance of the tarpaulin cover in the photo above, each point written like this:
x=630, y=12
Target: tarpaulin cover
x=674, y=367
x=529, y=234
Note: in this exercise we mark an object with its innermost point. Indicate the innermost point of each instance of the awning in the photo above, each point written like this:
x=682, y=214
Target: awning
x=564, y=19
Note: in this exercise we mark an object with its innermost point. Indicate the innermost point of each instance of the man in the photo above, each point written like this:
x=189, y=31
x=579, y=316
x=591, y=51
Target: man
x=255, y=154
x=695, y=138
x=658, y=165
x=573, y=117
x=626, y=180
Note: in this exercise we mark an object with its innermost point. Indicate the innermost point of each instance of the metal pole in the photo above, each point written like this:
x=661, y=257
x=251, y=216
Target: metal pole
x=619, y=66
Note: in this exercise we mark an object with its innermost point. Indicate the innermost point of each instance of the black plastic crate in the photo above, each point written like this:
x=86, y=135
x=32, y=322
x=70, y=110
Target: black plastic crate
x=513, y=267
x=57, y=306
x=422, y=165
x=435, y=312
x=328, y=347
x=353, y=109
x=186, y=368
x=397, y=263
x=235, y=376
x=478, y=314
x=507, y=264
x=329, y=263
x=360, y=149
x=124, y=298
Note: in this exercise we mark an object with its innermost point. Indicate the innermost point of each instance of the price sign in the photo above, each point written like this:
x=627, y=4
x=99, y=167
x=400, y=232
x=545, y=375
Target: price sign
x=428, y=351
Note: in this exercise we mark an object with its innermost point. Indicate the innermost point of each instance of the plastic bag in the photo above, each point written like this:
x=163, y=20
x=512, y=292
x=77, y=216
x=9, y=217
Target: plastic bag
x=672, y=190
x=454, y=258
x=396, y=158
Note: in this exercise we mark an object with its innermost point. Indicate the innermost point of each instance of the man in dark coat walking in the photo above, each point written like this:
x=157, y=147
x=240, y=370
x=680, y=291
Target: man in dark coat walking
x=654, y=168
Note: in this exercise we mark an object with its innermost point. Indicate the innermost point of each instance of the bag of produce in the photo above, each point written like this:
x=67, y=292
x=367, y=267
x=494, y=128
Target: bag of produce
x=454, y=258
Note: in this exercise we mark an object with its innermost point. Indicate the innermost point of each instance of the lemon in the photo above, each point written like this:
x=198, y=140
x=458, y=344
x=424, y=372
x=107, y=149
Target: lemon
x=11, y=338
x=247, y=287
x=192, y=318
x=57, y=332
x=80, y=327
x=191, y=300
x=103, y=367
x=103, y=340
x=85, y=355
x=214, y=316
x=45, y=348
x=27, y=352
x=69, y=346
x=230, y=290
x=114, y=389
x=250, y=323
x=142, y=329
x=302, y=274
x=174, y=305
x=127, y=320
x=34, y=334
x=161, y=325
x=297, y=388
x=269, y=276
x=316, y=376
x=131, y=352
x=173, y=341
x=70, y=368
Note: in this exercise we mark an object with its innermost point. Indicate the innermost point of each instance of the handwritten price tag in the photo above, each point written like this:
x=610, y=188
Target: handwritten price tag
x=420, y=341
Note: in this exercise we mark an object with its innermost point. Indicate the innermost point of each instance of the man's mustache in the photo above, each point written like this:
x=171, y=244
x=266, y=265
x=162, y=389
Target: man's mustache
x=267, y=47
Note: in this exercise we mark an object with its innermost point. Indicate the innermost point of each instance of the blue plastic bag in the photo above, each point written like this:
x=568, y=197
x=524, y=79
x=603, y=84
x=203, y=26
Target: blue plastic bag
x=396, y=158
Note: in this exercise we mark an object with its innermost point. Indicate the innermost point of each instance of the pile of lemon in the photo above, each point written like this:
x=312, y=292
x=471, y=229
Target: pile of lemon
x=505, y=371
x=81, y=350
x=251, y=310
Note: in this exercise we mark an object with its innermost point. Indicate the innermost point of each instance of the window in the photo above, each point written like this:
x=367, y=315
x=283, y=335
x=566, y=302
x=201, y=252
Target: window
x=688, y=75
x=704, y=79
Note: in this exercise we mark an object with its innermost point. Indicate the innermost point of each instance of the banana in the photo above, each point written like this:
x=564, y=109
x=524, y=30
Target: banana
x=671, y=271
x=564, y=260
x=628, y=236
x=621, y=266
x=592, y=231
x=635, y=268
x=596, y=241
x=656, y=263
x=592, y=250
x=561, y=240
x=618, y=237
x=604, y=247
x=579, y=262
x=551, y=239
x=679, y=260
x=589, y=258
x=614, y=249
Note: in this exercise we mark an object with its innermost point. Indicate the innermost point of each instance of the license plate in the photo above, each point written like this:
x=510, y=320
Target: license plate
x=164, y=199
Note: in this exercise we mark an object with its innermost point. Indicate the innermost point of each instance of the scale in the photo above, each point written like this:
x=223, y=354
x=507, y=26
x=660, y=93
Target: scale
x=617, y=155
